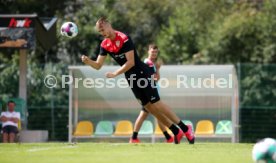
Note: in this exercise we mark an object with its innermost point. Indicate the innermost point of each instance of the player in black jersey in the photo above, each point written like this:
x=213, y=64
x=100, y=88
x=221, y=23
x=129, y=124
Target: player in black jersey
x=121, y=48
x=154, y=66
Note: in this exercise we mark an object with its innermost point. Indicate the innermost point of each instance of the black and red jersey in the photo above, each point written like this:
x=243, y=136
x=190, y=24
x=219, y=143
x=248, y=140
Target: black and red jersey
x=118, y=47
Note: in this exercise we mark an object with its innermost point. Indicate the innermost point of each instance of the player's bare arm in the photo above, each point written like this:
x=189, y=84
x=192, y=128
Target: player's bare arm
x=156, y=76
x=158, y=65
x=13, y=119
x=94, y=64
x=157, y=73
x=3, y=119
x=128, y=65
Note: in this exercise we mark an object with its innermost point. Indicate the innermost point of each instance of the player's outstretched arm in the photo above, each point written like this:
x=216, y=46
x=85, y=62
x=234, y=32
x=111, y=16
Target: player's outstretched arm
x=128, y=65
x=94, y=64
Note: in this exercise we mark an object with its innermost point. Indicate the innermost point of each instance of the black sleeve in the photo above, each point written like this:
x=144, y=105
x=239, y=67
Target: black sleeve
x=97, y=49
x=128, y=46
x=103, y=52
x=96, y=52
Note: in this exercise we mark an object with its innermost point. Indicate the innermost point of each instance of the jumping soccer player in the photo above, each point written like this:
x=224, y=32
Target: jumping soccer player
x=120, y=47
x=154, y=66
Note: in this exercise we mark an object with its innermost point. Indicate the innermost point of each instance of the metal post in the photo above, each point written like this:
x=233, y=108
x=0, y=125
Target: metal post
x=235, y=108
x=23, y=80
x=23, y=74
x=76, y=107
x=238, y=104
x=70, y=127
x=52, y=109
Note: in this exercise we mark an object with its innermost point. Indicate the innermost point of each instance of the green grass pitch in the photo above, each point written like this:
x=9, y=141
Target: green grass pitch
x=126, y=153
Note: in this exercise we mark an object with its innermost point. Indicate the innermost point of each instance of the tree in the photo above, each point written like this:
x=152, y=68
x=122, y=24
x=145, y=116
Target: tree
x=179, y=41
x=9, y=81
x=244, y=35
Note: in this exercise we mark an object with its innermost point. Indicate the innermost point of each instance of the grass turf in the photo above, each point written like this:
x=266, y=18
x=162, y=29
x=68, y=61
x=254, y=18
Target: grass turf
x=126, y=153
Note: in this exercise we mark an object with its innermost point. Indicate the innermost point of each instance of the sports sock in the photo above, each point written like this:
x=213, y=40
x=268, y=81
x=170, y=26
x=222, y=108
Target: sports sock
x=167, y=136
x=174, y=129
x=134, y=135
x=183, y=127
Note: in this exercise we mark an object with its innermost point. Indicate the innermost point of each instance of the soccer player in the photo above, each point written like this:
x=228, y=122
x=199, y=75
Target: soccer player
x=121, y=48
x=154, y=66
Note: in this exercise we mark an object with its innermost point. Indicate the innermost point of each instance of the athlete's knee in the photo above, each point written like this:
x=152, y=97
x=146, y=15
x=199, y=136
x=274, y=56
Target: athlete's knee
x=143, y=115
x=147, y=105
x=149, y=108
x=144, y=111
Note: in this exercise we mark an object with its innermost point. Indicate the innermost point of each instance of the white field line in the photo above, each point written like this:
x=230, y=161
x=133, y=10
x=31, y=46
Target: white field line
x=46, y=149
x=38, y=149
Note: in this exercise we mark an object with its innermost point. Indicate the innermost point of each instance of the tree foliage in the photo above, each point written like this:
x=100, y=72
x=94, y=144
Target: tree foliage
x=243, y=36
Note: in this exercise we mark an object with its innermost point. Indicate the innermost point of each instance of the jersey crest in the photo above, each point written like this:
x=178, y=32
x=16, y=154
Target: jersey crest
x=114, y=46
x=117, y=43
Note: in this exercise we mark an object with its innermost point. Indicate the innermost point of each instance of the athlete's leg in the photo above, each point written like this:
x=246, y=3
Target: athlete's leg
x=163, y=128
x=140, y=119
x=148, y=97
x=158, y=114
x=11, y=137
x=5, y=137
x=138, y=123
x=166, y=110
x=167, y=122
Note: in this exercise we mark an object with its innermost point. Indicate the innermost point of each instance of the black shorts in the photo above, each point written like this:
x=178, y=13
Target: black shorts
x=10, y=129
x=144, y=89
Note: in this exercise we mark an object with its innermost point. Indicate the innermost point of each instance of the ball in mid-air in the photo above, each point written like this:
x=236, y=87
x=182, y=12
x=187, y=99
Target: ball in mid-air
x=264, y=151
x=69, y=29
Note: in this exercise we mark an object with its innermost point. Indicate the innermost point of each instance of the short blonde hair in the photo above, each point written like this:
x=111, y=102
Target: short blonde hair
x=102, y=20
